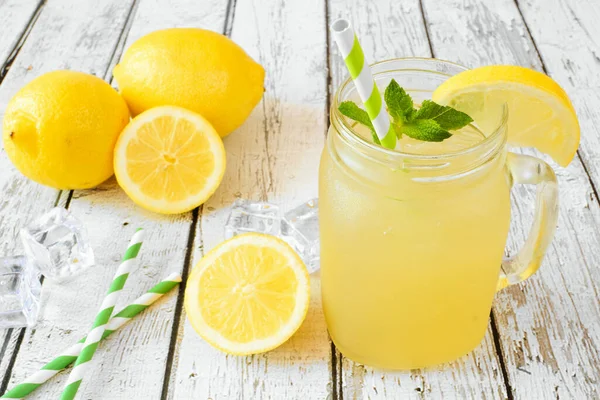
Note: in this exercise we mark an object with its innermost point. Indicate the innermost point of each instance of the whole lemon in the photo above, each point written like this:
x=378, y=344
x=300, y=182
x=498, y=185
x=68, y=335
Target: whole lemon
x=197, y=69
x=60, y=129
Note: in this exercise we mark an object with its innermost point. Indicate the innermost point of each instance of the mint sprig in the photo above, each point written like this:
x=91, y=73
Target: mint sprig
x=431, y=122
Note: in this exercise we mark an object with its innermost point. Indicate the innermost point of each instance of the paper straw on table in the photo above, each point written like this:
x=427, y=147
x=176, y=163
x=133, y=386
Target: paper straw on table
x=359, y=69
x=67, y=357
x=106, y=310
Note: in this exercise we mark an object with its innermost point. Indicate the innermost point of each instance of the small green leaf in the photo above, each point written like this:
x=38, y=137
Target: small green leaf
x=426, y=130
x=375, y=138
x=397, y=130
x=354, y=112
x=447, y=117
x=399, y=103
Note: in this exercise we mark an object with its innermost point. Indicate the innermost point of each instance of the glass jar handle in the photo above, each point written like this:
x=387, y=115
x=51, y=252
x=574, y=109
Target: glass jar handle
x=527, y=170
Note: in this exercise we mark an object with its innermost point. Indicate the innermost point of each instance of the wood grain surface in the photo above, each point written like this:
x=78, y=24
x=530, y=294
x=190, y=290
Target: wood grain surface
x=274, y=156
x=477, y=375
x=544, y=338
x=548, y=326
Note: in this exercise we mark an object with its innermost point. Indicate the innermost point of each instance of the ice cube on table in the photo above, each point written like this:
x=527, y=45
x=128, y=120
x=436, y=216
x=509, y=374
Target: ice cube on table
x=20, y=289
x=252, y=216
x=56, y=245
x=300, y=228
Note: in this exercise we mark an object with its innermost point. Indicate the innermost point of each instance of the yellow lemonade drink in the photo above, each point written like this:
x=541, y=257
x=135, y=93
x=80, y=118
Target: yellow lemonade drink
x=412, y=239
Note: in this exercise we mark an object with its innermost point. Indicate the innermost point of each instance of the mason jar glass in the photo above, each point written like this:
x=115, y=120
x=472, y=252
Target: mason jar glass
x=412, y=242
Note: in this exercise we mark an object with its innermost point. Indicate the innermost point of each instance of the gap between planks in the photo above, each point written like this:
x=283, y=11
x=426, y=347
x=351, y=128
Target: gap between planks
x=19, y=44
x=337, y=358
x=518, y=48
x=494, y=328
x=543, y=63
x=337, y=392
x=196, y=219
x=13, y=358
x=179, y=304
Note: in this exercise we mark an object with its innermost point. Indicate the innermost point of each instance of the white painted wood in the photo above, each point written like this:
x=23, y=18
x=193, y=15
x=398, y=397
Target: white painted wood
x=475, y=376
x=386, y=29
x=567, y=34
x=80, y=36
x=152, y=15
x=15, y=16
x=548, y=325
x=389, y=29
x=274, y=156
x=132, y=363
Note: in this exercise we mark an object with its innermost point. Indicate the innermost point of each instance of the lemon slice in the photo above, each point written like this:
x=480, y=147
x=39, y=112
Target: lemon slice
x=540, y=114
x=169, y=160
x=248, y=295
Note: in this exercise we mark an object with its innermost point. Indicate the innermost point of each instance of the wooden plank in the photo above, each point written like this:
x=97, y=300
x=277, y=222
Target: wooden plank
x=274, y=156
x=132, y=362
x=82, y=37
x=566, y=33
x=15, y=17
x=389, y=29
x=23, y=199
x=153, y=15
x=61, y=38
x=386, y=29
x=548, y=326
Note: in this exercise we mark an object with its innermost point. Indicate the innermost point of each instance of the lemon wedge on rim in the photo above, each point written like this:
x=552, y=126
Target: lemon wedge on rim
x=540, y=114
x=248, y=295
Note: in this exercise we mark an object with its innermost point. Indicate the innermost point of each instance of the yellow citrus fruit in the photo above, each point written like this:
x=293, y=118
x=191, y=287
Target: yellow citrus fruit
x=540, y=114
x=197, y=69
x=169, y=160
x=248, y=295
x=60, y=129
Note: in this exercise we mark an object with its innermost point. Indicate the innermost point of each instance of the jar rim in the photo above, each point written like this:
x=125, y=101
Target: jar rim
x=355, y=139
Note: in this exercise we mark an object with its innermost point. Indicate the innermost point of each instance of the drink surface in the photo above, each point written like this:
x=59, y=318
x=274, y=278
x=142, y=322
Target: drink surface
x=409, y=266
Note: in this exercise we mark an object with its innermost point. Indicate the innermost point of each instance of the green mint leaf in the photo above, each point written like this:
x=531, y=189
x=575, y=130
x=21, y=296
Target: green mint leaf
x=354, y=112
x=375, y=138
x=399, y=103
x=397, y=130
x=447, y=117
x=425, y=129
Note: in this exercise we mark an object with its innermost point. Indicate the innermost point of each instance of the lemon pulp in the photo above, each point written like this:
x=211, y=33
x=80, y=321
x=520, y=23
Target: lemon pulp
x=540, y=114
x=248, y=295
x=169, y=160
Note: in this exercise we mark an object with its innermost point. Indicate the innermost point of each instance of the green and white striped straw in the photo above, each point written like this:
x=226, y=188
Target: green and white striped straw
x=106, y=310
x=347, y=42
x=67, y=357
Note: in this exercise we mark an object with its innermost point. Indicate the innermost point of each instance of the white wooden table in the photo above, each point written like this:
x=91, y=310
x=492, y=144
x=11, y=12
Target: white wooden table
x=543, y=341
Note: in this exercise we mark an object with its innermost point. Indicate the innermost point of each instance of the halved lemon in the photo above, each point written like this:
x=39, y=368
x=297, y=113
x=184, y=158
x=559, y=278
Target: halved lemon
x=540, y=113
x=248, y=295
x=169, y=160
